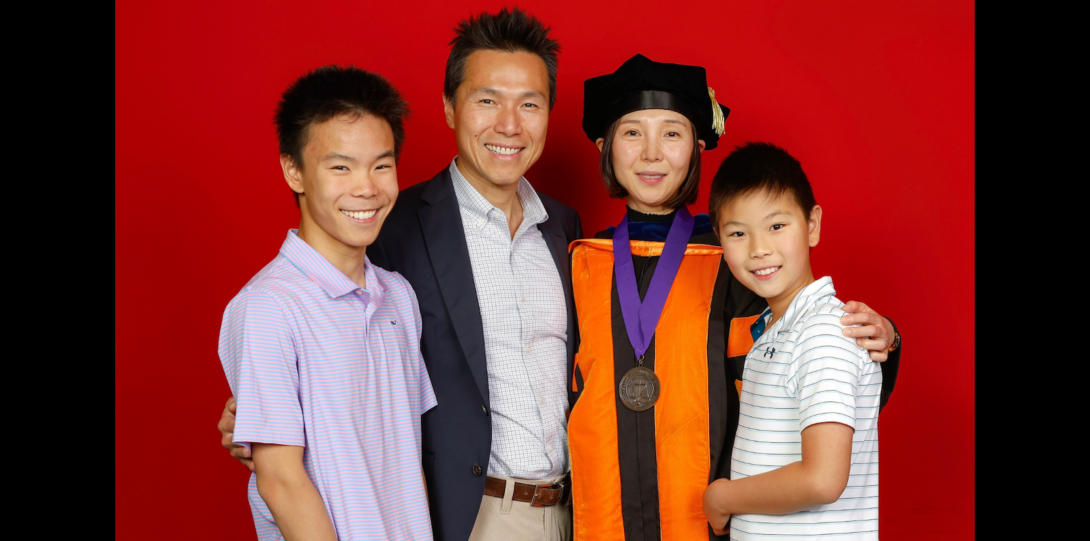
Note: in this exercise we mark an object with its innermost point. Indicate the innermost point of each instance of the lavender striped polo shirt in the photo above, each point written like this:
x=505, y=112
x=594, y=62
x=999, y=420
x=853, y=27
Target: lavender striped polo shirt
x=316, y=361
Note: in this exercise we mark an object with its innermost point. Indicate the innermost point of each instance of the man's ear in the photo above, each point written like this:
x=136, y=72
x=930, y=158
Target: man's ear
x=815, y=225
x=701, y=143
x=292, y=174
x=601, y=143
x=448, y=109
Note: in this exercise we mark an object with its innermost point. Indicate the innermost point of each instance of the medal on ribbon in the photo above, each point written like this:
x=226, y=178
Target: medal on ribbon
x=639, y=388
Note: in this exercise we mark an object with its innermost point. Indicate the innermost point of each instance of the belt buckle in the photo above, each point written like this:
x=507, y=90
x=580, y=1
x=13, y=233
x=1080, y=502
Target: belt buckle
x=533, y=499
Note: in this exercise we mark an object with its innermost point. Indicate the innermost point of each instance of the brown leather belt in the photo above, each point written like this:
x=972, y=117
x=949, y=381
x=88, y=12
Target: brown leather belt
x=536, y=495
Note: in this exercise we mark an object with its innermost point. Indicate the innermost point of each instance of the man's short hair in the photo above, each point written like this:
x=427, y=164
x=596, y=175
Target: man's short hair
x=759, y=167
x=508, y=31
x=331, y=91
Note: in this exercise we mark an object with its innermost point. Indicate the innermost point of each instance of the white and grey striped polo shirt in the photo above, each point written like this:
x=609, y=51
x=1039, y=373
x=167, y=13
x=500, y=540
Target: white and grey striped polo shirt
x=800, y=372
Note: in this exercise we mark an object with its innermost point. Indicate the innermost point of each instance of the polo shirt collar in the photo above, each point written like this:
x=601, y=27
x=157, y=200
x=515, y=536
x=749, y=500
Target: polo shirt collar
x=316, y=267
x=470, y=200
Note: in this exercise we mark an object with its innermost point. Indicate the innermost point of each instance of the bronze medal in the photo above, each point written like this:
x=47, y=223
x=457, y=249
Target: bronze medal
x=639, y=389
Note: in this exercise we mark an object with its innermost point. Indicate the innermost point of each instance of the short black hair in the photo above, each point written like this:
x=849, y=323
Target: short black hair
x=686, y=192
x=759, y=166
x=331, y=91
x=508, y=31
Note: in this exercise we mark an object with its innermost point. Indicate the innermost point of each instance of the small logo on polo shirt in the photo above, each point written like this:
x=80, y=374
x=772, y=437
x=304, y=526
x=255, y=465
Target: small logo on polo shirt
x=393, y=322
x=769, y=352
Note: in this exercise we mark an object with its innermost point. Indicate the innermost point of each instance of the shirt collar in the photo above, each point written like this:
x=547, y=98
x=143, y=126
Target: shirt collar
x=471, y=201
x=758, y=327
x=316, y=267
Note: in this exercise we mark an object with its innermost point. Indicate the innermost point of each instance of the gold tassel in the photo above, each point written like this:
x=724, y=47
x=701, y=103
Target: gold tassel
x=717, y=114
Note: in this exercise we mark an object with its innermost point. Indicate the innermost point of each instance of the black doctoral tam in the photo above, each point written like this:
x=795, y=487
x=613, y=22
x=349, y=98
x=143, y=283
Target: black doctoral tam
x=641, y=83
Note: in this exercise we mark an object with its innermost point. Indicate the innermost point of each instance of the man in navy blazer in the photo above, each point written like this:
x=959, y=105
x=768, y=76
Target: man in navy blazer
x=497, y=97
x=498, y=94
x=422, y=239
x=491, y=475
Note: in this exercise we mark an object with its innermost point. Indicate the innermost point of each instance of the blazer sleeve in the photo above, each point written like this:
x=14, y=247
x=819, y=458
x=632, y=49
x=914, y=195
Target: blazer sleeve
x=889, y=369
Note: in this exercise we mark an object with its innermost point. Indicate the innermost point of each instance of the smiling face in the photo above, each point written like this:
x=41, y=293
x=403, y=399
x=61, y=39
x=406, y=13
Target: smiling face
x=347, y=183
x=766, y=243
x=651, y=153
x=500, y=116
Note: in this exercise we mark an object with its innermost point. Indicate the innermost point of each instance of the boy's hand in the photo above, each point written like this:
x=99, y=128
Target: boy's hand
x=725, y=531
x=875, y=334
x=227, y=431
x=714, y=498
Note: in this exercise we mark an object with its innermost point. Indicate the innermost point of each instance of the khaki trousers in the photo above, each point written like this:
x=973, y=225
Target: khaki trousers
x=505, y=519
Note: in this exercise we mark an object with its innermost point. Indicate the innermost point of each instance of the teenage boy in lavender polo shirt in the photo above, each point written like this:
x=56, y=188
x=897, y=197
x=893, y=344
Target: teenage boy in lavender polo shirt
x=321, y=348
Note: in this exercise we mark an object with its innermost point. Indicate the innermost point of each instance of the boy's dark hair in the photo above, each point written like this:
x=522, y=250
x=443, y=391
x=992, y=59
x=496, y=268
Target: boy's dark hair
x=759, y=166
x=331, y=91
x=508, y=31
x=686, y=192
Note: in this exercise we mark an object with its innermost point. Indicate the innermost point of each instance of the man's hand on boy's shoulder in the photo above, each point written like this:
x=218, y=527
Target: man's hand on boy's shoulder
x=227, y=433
x=875, y=333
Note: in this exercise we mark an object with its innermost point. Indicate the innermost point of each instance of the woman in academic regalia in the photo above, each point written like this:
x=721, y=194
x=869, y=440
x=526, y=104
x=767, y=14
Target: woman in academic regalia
x=664, y=327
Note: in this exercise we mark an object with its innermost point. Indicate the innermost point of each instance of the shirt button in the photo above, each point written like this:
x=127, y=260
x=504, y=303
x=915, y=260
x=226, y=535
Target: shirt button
x=477, y=470
x=527, y=350
x=522, y=298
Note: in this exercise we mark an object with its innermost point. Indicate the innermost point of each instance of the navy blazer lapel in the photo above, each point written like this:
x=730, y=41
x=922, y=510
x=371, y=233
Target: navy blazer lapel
x=553, y=231
x=558, y=244
x=441, y=223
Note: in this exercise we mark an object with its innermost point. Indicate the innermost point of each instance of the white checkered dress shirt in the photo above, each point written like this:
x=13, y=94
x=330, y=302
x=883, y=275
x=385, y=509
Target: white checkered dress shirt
x=525, y=333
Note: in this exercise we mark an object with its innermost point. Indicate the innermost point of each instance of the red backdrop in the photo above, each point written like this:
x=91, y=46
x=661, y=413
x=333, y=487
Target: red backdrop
x=876, y=101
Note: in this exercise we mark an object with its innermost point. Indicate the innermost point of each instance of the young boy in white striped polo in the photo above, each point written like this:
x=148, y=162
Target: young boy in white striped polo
x=805, y=459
